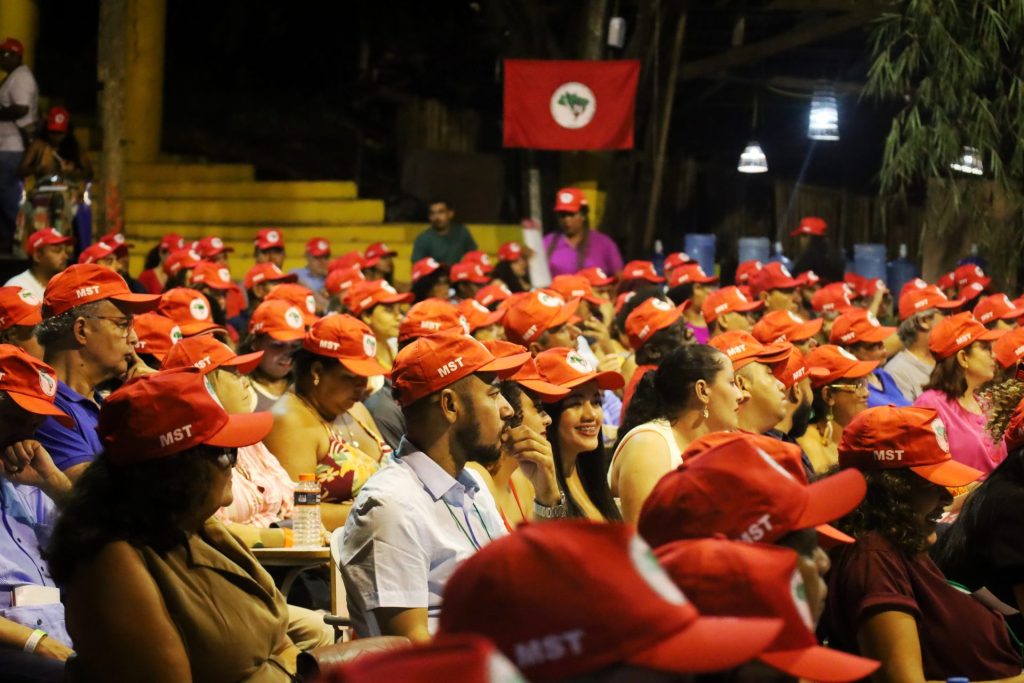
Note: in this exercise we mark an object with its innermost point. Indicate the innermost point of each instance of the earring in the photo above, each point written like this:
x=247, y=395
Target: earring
x=316, y=380
x=704, y=413
x=827, y=436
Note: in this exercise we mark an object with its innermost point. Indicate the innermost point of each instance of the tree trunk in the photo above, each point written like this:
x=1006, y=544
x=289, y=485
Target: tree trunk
x=108, y=215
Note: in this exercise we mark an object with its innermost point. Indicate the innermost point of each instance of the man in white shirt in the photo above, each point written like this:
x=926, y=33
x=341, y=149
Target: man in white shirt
x=414, y=521
x=47, y=251
x=19, y=110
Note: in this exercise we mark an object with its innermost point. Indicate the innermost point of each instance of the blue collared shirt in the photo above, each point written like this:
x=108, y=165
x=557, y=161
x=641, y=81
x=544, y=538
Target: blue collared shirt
x=81, y=443
x=309, y=280
x=888, y=395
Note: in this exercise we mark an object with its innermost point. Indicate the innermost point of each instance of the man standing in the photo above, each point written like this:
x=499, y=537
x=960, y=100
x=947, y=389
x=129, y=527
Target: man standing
x=445, y=241
x=47, y=251
x=18, y=112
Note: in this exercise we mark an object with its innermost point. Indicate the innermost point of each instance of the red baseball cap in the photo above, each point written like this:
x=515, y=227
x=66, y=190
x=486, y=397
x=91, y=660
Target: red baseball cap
x=172, y=241
x=746, y=270
x=430, y=316
x=1014, y=435
x=12, y=45
x=742, y=349
x=213, y=275
x=423, y=267
x=727, y=300
x=737, y=489
x=652, y=315
x=209, y=247
x=773, y=275
x=536, y=312
x=348, y=340
x=468, y=271
x=296, y=295
x=157, y=415
x=510, y=251
x=970, y=273
x=996, y=307
x=915, y=283
x=795, y=369
x=858, y=325
x=477, y=315
x=318, y=246
x=597, y=277
x=728, y=578
x=570, y=200
x=340, y=280
x=365, y=295
x=597, y=594
x=269, y=238
x=838, y=364
x=189, y=309
x=956, y=332
x=528, y=375
x=431, y=363
x=575, y=287
x=479, y=257
x=676, y=259
x=206, y=354
x=156, y=334
x=785, y=326
x=267, y=272
x=45, y=238
x=622, y=299
x=566, y=368
x=887, y=437
x=640, y=270
x=493, y=293
x=96, y=252
x=810, y=225
x=916, y=300
x=19, y=307
x=58, y=119
x=832, y=298
x=182, y=259
x=348, y=259
x=84, y=283
x=379, y=250
x=808, y=278
x=971, y=291
x=946, y=281
x=280, y=319
x=1008, y=349
x=689, y=272
x=117, y=242
x=30, y=383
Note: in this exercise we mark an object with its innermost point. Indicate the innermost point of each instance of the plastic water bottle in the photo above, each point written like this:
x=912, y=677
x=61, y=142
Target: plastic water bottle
x=306, y=515
x=658, y=257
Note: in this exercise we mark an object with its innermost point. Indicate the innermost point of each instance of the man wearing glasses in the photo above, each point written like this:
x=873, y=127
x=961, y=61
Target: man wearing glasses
x=88, y=339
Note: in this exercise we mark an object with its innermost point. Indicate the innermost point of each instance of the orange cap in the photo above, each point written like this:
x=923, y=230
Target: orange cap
x=206, y=354
x=795, y=369
x=493, y=293
x=597, y=277
x=156, y=334
x=652, y=315
x=773, y=275
x=84, y=283
x=352, y=258
x=365, y=295
x=430, y=316
x=838, y=363
x=916, y=300
x=957, y=332
x=640, y=270
x=424, y=267
x=536, y=312
x=189, y=309
x=348, y=340
x=267, y=272
x=30, y=383
x=282, y=320
x=182, y=259
x=747, y=270
x=468, y=271
x=566, y=368
x=213, y=275
x=689, y=272
x=95, y=252
x=785, y=326
x=996, y=307
x=727, y=300
x=676, y=259
x=19, y=307
x=528, y=375
x=742, y=349
x=44, y=238
x=834, y=297
x=858, y=325
x=477, y=315
x=297, y=295
x=575, y=287
x=1009, y=348
x=340, y=280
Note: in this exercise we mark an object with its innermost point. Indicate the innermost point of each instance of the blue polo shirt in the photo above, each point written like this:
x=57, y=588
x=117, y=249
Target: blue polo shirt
x=81, y=443
x=888, y=395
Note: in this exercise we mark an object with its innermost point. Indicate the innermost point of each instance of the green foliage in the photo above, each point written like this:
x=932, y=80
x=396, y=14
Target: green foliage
x=576, y=104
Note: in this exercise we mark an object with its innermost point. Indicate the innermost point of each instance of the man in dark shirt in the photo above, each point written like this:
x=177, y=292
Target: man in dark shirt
x=816, y=253
x=446, y=241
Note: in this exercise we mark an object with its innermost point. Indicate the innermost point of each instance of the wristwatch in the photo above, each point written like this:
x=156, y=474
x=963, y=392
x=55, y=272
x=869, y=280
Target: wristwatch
x=557, y=511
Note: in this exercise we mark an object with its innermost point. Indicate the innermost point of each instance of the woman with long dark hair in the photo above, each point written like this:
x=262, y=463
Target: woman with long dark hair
x=512, y=268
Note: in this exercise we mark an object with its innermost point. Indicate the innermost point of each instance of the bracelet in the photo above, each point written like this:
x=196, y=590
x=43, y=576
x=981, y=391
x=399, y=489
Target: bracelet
x=33, y=640
x=557, y=511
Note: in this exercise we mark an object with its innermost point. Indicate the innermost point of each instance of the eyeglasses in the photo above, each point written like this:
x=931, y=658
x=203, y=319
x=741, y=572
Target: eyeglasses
x=856, y=387
x=124, y=324
x=224, y=457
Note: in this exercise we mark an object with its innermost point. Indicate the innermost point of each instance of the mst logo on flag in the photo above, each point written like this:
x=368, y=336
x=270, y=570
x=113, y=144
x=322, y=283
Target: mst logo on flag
x=570, y=105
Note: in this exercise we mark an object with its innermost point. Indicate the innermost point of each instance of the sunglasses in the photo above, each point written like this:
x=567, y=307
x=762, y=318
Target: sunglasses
x=862, y=385
x=224, y=458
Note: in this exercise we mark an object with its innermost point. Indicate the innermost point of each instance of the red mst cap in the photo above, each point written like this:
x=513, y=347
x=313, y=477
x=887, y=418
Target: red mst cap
x=156, y=334
x=887, y=438
x=742, y=349
x=578, y=597
x=622, y=299
x=1008, y=349
x=859, y=325
x=838, y=364
x=652, y=315
x=479, y=257
x=740, y=491
x=746, y=270
x=182, y=259
x=117, y=242
x=528, y=376
x=269, y=238
x=570, y=200
x=996, y=307
x=510, y=251
x=477, y=315
x=96, y=252
x=58, y=119
x=810, y=225
x=348, y=340
x=957, y=332
x=296, y=295
x=430, y=316
x=795, y=369
x=532, y=314
x=970, y=273
x=566, y=368
x=282, y=320
x=785, y=326
x=689, y=272
x=30, y=383
x=597, y=277
x=424, y=267
x=575, y=287
x=436, y=361
x=19, y=307
x=318, y=246
x=493, y=293
x=916, y=283
x=773, y=275
x=155, y=416
x=206, y=354
x=676, y=259
x=727, y=300
x=267, y=272
x=808, y=278
x=44, y=238
x=172, y=242
x=346, y=260
x=12, y=45
x=340, y=280
x=832, y=298
x=365, y=295
x=379, y=250
x=727, y=578
x=209, y=247
x=84, y=283
x=468, y=271
x=189, y=309
x=916, y=300
x=213, y=275
x=640, y=270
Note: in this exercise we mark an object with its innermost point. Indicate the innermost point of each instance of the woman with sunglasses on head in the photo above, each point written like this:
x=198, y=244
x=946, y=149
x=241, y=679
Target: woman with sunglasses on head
x=155, y=588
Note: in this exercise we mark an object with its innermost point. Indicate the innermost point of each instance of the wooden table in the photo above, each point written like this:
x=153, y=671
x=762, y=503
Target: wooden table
x=298, y=560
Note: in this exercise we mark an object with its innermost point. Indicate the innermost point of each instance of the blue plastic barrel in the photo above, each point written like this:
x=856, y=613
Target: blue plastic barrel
x=751, y=248
x=701, y=248
x=901, y=271
x=869, y=260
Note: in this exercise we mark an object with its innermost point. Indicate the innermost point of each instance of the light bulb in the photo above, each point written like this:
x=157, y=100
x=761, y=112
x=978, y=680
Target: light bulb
x=752, y=159
x=969, y=162
x=823, y=121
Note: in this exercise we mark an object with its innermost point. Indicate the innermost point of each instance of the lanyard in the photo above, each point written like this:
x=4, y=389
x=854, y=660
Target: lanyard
x=470, y=536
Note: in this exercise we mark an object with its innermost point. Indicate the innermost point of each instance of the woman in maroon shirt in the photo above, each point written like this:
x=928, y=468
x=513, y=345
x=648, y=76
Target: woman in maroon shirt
x=887, y=599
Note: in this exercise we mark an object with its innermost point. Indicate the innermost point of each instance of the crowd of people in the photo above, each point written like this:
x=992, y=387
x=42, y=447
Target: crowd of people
x=624, y=474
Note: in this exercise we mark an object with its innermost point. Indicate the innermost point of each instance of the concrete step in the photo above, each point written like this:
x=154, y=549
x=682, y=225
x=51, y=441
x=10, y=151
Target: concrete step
x=190, y=172
x=249, y=211
x=240, y=189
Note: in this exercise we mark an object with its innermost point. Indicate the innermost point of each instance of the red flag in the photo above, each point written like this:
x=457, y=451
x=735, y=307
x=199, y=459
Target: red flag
x=570, y=105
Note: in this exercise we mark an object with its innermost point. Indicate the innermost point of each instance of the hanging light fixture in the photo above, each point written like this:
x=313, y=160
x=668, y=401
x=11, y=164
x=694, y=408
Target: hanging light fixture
x=823, y=122
x=752, y=159
x=969, y=162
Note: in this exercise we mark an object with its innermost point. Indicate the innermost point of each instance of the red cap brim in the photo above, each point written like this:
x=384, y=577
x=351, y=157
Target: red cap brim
x=38, y=406
x=992, y=335
x=877, y=334
x=138, y=303
x=34, y=317
x=548, y=392
x=245, y=363
x=830, y=537
x=242, y=429
x=506, y=365
x=199, y=327
x=364, y=367
x=832, y=497
x=948, y=473
x=807, y=329
x=816, y=663
x=607, y=380
x=286, y=335
x=860, y=369
x=710, y=644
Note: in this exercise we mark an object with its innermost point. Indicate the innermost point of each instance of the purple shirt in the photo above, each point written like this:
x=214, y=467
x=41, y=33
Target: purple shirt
x=602, y=252
x=969, y=443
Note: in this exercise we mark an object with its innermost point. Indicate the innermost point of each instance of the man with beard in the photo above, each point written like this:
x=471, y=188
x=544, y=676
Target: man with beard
x=413, y=522
x=795, y=375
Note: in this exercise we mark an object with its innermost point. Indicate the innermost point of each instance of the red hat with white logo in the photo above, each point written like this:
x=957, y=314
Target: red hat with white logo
x=689, y=272
x=30, y=383
x=810, y=225
x=424, y=267
x=737, y=489
x=971, y=291
x=652, y=315
x=296, y=295
x=365, y=295
x=156, y=334
x=887, y=438
x=785, y=326
x=318, y=246
x=528, y=375
x=12, y=45
x=957, y=332
x=182, y=259
x=269, y=238
x=727, y=578
x=569, y=200
x=576, y=287
x=1009, y=348
x=340, y=280
x=808, y=278
x=773, y=275
x=996, y=307
x=96, y=252
x=348, y=340
x=19, y=307
x=189, y=309
x=727, y=300
x=946, y=281
x=622, y=299
x=970, y=273
x=429, y=317
x=213, y=275
x=157, y=415
x=478, y=257
x=640, y=270
x=915, y=283
x=747, y=270
x=832, y=298
x=352, y=258
x=796, y=369
x=379, y=250
x=45, y=238
x=477, y=315
x=566, y=368
x=84, y=283
x=209, y=247
x=510, y=251
x=859, y=325
x=536, y=312
x=578, y=597
x=267, y=272
x=117, y=242
x=742, y=349
x=676, y=259
x=493, y=294
x=58, y=119
x=597, y=277
x=172, y=241
x=838, y=363
x=282, y=320
x=916, y=300
x=468, y=271
x=431, y=363
x=206, y=354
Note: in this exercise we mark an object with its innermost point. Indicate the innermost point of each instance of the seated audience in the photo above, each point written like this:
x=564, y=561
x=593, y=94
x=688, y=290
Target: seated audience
x=727, y=310
x=268, y=247
x=430, y=279
x=377, y=304
x=178, y=268
x=379, y=262
x=20, y=312
x=258, y=282
x=997, y=312
x=911, y=368
x=787, y=326
x=512, y=270
x=154, y=277
x=859, y=332
x=318, y=255
x=483, y=323
x=467, y=278
x=277, y=329
x=654, y=329
x=689, y=282
x=764, y=395
x=774, y=285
